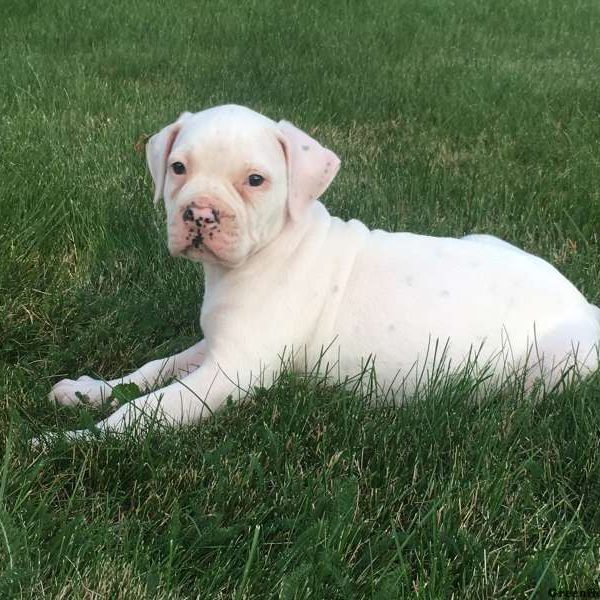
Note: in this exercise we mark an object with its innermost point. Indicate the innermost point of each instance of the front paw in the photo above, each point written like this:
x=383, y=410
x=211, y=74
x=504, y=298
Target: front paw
x=47, y=440
x=84, y=390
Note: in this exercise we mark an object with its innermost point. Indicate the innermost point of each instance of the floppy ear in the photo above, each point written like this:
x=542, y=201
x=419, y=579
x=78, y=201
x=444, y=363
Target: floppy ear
x=158, y=149
x=311, y=168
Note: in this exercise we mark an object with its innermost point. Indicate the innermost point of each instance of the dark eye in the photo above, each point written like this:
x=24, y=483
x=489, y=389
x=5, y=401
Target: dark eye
x=255, y=180
x=178, y=168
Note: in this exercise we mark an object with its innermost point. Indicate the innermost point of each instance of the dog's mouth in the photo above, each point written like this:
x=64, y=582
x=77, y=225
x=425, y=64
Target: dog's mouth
x=198, y=252
x=204, y=233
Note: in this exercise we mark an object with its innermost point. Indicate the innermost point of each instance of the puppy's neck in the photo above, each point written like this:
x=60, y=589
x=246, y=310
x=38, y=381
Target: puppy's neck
x=275, y=255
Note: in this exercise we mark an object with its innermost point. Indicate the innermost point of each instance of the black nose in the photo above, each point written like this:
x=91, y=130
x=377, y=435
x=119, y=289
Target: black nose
x=188, y=214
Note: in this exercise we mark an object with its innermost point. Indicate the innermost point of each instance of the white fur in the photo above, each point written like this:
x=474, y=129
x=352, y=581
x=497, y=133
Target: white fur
x=285, y=274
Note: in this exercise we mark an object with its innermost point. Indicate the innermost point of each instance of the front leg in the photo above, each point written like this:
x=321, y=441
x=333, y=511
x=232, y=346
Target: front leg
x=189, y=400
x=70, y=392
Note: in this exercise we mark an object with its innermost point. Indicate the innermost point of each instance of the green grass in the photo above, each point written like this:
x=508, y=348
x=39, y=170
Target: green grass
x=450, y=117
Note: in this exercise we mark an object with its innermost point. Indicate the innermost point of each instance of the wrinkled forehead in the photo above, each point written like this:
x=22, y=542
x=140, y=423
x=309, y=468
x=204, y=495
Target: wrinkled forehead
x=239, y=135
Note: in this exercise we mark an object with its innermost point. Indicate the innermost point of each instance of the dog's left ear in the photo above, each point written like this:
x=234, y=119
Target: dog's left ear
x=158, y=149
x=311, y=168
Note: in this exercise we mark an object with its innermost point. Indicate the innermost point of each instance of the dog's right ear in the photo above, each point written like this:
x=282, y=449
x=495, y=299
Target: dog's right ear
x=158, y=149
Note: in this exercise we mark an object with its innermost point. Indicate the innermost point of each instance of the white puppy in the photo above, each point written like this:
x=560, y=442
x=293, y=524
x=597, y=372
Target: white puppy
x=241, y=194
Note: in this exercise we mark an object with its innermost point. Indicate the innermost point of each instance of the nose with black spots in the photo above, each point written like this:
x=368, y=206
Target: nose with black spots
x=201, y=223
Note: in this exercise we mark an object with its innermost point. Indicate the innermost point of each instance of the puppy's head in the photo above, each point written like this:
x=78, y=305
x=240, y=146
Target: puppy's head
x=231, y=179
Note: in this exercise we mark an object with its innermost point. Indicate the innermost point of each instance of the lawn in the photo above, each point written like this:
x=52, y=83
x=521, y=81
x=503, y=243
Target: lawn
x=450, y=117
